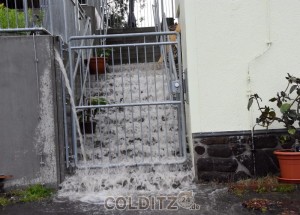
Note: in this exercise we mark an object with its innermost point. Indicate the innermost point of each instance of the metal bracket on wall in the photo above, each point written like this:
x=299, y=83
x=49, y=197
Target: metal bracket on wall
x=176, y=87
x=42, y=163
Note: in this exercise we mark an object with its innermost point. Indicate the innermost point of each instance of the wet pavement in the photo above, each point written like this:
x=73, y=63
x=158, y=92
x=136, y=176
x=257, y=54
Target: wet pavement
x=209, y=199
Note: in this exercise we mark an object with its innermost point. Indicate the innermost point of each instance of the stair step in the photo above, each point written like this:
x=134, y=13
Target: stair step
x=135, y=54
x=123, y=40
x=131, y=83
x=130, y=30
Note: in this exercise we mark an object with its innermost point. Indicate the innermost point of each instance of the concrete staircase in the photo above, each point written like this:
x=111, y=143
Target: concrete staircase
x=134, y=54
x=138, y=133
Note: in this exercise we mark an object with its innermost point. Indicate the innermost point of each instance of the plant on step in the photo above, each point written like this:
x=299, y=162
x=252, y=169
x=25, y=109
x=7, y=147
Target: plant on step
x=103, y=52
x=288, y=104
x=97, y=101
x=87, y=115
x=98, y=63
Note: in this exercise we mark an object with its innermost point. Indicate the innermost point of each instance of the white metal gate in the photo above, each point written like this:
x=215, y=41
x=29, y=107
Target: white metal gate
x=133, y=112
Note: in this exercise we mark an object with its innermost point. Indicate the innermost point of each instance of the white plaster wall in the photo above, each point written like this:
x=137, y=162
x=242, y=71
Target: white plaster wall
x=220, y=39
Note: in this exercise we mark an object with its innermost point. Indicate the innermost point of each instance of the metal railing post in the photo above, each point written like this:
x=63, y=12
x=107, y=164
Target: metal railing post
x=162, y=13
x=183, y=128
x=65, y=21
x=50, y=15
x=73, y=123
x=25, y=6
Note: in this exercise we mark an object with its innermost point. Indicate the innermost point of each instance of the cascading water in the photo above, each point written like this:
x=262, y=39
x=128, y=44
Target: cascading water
x=67, y=82
x=94, y=185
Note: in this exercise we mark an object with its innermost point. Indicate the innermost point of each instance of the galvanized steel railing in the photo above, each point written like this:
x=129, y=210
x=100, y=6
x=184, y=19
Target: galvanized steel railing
x=167, y=55
x=67, y=18
x=131, y=13
x=64, y=18
x=158, y=116
x=127, y=115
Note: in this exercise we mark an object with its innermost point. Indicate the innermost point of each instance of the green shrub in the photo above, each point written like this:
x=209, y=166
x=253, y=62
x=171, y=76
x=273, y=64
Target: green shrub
x=11, y=18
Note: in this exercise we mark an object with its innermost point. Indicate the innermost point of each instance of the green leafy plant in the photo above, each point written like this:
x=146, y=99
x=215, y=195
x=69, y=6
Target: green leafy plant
x=98, y=101
x=288, y=103
x=86, y=115
x=103, y=53
x=14, y=18
x=11, y=18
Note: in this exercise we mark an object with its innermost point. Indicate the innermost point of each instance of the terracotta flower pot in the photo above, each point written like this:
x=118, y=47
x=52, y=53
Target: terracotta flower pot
x=97, y=65
x=289, y=163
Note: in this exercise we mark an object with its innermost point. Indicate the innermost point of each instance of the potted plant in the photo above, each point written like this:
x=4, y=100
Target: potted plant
x=98, y=64
x=288, y=103
x=86, y=116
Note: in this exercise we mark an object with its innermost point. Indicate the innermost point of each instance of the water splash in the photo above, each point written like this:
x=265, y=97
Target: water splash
x=98, y=184
x=94, y=185
x=67, y=82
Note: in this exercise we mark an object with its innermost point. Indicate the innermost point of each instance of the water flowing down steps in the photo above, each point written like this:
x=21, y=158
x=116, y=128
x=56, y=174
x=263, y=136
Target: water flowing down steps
x=133, y=134
x=94, y=185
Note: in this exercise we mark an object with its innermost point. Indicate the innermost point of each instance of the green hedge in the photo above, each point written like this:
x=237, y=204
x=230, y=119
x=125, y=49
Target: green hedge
x=11, y=18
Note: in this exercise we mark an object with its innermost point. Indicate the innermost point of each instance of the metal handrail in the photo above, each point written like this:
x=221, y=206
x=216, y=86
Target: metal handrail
x=150, y=82
x=41, y=19
x=166, y=52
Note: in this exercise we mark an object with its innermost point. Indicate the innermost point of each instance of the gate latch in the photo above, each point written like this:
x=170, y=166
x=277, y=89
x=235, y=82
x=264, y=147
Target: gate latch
x=176, y=86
